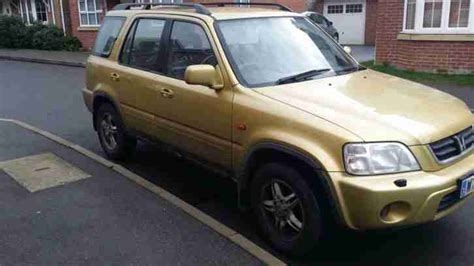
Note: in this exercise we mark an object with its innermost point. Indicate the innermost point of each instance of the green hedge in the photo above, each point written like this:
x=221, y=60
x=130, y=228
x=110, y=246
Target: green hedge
x=15, y=34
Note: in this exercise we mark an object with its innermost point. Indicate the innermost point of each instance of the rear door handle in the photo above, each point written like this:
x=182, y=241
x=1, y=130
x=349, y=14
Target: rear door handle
x=167, y=93
x=114, y=76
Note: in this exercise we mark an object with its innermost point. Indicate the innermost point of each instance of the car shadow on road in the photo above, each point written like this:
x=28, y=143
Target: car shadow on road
x=217, y=196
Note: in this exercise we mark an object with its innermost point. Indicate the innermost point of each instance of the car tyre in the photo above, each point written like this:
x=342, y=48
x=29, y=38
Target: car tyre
x=113, y=138
x=294, y=231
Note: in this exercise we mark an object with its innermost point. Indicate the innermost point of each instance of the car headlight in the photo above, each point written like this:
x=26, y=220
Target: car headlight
x=378, y=158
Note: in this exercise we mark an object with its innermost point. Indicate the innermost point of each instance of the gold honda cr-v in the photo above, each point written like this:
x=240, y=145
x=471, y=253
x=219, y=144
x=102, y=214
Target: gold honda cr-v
x=265, y=96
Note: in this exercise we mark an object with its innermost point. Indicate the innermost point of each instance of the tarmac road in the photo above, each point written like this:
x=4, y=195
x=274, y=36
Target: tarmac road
x=49, y=97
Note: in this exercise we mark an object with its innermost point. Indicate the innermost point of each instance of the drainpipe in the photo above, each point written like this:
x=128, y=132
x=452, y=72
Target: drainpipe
x=62, y=16
x=53, y=11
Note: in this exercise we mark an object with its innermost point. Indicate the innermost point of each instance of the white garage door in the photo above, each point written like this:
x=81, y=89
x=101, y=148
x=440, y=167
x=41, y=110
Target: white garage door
x=348, y=18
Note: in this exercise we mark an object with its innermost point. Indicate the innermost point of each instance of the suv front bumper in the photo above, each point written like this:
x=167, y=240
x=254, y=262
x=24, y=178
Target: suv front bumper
x=427, y=196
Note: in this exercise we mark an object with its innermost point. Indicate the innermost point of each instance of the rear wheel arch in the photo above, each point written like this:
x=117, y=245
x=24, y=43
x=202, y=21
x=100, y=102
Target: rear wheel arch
x=101, y=98
x=311, y=169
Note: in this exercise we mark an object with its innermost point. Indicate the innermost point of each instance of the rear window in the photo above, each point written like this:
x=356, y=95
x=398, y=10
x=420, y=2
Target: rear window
x=108, y=33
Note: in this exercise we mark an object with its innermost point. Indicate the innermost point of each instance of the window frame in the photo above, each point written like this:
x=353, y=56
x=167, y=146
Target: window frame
x=132, y=28
x=444, y=28
x=96, y=11
x=107, y=55
x=166, y=55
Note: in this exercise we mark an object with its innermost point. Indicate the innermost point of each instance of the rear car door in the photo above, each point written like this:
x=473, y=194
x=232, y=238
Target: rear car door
x=140, y=63
x=197, y=117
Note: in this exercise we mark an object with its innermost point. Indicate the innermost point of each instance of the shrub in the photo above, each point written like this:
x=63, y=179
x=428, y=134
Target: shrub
x=72, y=44
x=15, y=34
x=48, y=38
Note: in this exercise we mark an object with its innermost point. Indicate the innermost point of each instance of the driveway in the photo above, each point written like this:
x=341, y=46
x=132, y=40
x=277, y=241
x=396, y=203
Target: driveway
x=363, y=52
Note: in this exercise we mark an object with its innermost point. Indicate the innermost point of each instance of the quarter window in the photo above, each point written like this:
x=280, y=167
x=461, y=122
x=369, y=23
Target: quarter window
x=189, y=45
x=90, y=12
x=143, y=45
x=335, y=9
x=107, y=35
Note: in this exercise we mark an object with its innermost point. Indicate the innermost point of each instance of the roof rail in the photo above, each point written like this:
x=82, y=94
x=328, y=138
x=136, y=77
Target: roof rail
x=198, y=7
x=222, y=4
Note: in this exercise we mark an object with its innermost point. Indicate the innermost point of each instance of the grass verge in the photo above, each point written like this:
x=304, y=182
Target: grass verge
x=463, y=80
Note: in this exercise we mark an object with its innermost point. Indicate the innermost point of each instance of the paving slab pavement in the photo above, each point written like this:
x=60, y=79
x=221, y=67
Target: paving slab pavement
x=76, y=59
x=102, y=218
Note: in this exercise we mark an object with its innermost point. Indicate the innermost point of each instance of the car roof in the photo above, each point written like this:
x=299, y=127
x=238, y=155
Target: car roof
x=217, y=13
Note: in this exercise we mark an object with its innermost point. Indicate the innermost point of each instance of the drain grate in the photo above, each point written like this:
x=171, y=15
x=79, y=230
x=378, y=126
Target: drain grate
x=42, y=171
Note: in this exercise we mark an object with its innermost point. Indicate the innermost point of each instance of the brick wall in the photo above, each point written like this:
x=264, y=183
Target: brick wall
x=370, y=21
x=86, y=35
x=428, y=56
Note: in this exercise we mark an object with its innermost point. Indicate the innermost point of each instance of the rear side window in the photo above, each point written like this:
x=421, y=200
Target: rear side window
x=143, y=45
x=107, y=36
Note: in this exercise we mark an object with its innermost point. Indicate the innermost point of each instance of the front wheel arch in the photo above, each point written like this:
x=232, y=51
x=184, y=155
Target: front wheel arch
x=315, y=173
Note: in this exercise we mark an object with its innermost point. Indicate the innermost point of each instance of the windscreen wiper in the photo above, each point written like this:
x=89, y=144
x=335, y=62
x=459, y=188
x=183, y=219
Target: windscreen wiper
x=302, y=76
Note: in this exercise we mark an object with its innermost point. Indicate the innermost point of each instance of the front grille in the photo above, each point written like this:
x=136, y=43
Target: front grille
x=449, y=200
x=452, y=147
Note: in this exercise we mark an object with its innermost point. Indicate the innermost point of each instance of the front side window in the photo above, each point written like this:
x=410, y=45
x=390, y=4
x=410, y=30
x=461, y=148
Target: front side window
x=189, y=45
x=266, y=51
x=439, y=16
x=90, y=12
x=143, y=45
x=108, y=33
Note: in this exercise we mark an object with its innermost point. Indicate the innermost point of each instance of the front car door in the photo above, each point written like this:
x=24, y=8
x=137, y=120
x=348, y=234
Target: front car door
x=197, y=118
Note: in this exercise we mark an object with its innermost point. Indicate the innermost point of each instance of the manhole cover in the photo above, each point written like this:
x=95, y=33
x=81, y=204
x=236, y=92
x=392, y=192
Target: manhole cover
x=38, y=172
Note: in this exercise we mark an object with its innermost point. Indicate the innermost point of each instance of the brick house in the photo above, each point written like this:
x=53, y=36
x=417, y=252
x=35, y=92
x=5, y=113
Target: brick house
x=43, y=11
x=426, y=35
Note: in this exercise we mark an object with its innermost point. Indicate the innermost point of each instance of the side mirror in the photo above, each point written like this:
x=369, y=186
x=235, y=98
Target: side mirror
x=205, y=75
x=348, y=49
x=329, y=23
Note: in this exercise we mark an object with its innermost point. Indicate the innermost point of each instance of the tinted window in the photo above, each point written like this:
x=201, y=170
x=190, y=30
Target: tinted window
x=142, y=47
x=189, y=45
x=107, y=35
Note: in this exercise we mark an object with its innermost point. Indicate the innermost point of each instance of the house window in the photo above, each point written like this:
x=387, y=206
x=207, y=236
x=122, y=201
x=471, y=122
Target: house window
x=439, y=17
x=90, y=12
x=335, y=9
x=41, y=11
x=410, y=14
x=459, y=13
x=432, y=13
x=354, y=8
x=160, y=1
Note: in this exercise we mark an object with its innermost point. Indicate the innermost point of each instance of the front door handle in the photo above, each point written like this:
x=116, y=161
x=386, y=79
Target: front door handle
x=167, y=93
x=114, y=76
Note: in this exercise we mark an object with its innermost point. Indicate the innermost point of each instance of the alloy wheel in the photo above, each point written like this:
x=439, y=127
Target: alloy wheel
x=282, y=209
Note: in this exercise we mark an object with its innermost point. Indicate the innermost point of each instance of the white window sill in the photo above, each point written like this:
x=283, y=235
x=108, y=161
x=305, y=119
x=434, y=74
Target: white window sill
x=88, y=28
x=442, y=37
